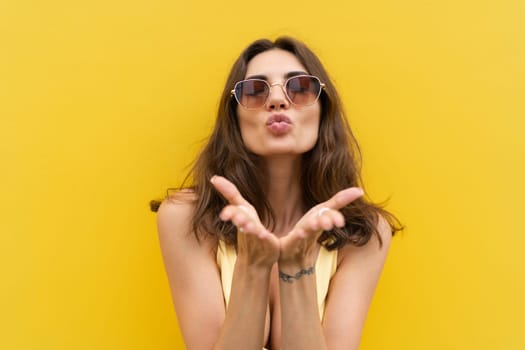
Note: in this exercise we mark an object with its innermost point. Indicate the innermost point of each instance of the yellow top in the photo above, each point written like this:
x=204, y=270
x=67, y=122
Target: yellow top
x=325, y=267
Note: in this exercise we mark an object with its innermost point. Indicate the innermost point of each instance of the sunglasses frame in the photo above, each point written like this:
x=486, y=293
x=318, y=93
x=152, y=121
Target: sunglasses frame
x=283, y=87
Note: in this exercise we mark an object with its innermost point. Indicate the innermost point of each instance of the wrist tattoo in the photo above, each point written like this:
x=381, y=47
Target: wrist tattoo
x=290, y=278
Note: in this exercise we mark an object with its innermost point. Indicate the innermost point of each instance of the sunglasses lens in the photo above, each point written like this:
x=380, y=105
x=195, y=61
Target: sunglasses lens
x=303, y=90
x=252, y=93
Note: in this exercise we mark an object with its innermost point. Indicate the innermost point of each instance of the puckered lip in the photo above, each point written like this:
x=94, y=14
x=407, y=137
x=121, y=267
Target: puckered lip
x=278, y=118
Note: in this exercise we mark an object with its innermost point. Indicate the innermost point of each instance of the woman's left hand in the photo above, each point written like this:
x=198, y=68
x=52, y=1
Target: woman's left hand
x=297, y=247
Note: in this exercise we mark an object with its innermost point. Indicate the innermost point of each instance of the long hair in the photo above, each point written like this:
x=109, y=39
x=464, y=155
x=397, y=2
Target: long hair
x=333, y=164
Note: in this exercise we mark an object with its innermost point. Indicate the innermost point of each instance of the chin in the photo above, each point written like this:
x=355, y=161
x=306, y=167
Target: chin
x=276, y=151
x=279, y=147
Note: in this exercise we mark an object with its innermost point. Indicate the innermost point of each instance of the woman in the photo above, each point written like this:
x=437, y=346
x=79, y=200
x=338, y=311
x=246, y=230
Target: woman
x=273, y=246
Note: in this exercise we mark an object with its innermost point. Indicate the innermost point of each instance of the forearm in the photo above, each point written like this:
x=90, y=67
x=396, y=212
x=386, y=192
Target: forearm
x=301, y=326
x=243, y=327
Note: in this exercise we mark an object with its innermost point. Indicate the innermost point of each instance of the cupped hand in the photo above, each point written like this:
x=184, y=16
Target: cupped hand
x=297, y=247
x=255, y=244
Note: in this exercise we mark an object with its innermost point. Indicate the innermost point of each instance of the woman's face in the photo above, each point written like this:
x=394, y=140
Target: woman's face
x=278, y=127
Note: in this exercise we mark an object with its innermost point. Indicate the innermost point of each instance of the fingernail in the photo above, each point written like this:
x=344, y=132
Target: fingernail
x=212, y=180
x=362, y=192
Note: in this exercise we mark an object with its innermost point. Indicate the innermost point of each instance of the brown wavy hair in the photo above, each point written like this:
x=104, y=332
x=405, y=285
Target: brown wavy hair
x=333, y=164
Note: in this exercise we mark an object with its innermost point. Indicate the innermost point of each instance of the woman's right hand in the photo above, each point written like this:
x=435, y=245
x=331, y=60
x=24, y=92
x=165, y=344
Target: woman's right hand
x=255, y=244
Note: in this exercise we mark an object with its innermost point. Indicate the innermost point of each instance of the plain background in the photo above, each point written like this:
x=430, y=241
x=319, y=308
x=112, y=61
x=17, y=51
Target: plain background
x=103, y=104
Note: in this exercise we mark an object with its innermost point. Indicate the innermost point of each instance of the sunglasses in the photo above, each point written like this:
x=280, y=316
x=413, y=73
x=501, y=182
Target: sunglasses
x=301, y=90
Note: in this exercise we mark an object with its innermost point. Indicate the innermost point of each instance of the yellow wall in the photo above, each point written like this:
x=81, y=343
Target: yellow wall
x=103, y=104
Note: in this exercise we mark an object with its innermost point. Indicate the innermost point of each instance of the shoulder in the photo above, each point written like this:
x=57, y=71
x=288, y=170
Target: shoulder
x=174, y=221
x=384, y=231
x=175, y=228
x=175, y=213
x=377, y=246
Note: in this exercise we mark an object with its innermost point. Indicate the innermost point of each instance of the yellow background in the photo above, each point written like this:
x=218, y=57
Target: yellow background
x=103, y=104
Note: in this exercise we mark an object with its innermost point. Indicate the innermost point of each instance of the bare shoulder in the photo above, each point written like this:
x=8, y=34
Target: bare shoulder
x=374, y=246
x=174, y=222
x=177, y=203
x=175, y=212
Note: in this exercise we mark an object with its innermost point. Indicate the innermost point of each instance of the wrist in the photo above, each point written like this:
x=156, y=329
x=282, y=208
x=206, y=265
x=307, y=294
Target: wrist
x=291, y=278
x=250, y=266
x=295, y=263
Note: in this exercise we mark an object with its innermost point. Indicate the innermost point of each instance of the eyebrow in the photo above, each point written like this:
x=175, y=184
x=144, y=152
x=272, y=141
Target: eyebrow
x=287, y=75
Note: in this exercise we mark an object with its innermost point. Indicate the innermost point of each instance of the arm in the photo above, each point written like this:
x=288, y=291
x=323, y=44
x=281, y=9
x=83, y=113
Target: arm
x=195, y=279
x=193, y=276
x=257, y=251
x=301, y=325
x=352, y=288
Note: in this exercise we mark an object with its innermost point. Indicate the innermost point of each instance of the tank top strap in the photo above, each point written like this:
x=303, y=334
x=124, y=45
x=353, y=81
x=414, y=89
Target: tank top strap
x=226, y=257
x=325, y=268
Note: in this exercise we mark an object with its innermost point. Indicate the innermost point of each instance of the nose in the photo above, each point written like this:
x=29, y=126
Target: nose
x=277, y=98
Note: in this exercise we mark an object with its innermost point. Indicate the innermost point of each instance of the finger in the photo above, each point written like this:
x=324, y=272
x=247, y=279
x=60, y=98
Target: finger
x=240, y=219
x=245, y=209
x=227, y=212
x=325, y=215
x=326, y=222
x=228, y=190
x=320, y=223
x=250, y=227
x=230, y=211
x=339, y=219
x=343, y=198
x=310, y=225
x=313, y=224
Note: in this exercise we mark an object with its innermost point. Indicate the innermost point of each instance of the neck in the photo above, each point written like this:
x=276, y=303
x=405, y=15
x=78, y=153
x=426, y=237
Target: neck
x=284, y=191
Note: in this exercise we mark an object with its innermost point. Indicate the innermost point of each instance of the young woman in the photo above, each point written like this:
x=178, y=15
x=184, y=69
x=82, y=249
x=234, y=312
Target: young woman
x=273, y=245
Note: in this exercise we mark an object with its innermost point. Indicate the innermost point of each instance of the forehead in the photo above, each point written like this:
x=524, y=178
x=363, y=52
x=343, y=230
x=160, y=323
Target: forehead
x=274, y=63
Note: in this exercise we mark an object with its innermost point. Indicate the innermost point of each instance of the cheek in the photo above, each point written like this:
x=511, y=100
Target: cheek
x=309, y=133
x=313, y=135
x=243, y=121
x=248, y=129
x=317, y=122
x=313, y=121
